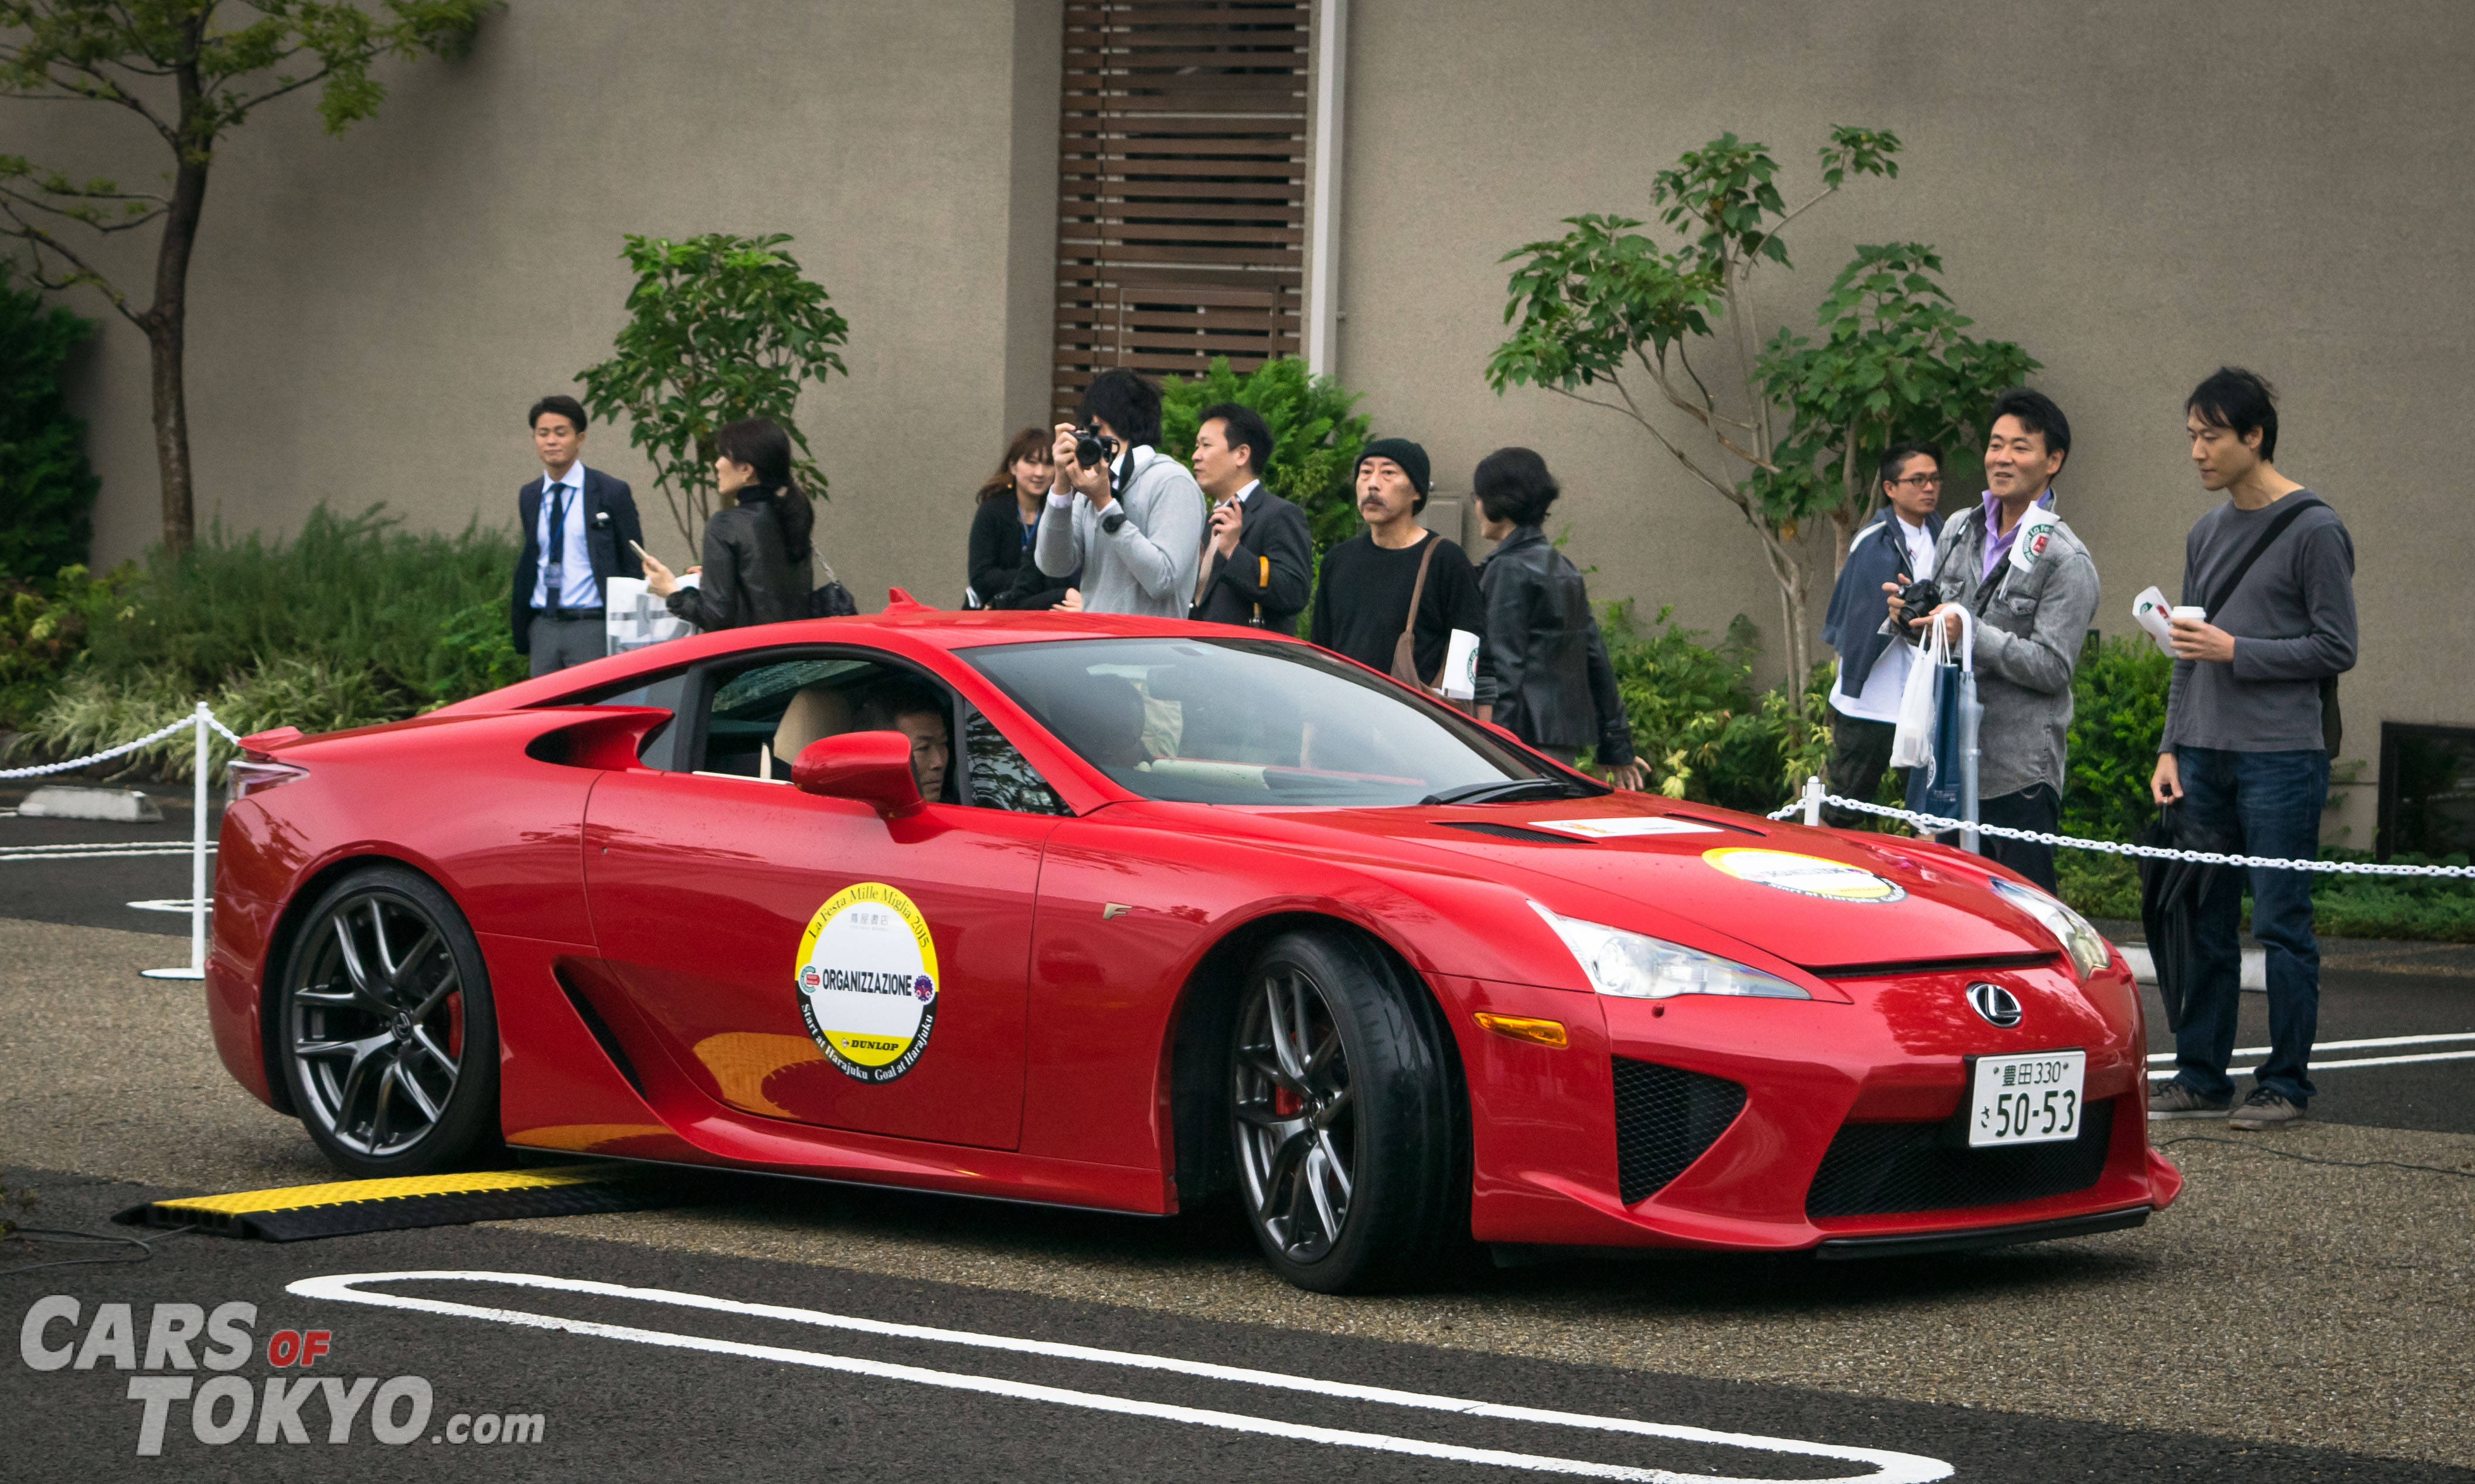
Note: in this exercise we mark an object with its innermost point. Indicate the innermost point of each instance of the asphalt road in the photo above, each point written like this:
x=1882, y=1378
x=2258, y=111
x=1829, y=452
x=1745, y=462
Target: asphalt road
x=2286, y=1319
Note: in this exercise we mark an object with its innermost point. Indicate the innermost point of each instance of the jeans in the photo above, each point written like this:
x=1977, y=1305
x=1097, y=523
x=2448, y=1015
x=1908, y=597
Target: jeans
x=2037, y=807
x=2270, y=802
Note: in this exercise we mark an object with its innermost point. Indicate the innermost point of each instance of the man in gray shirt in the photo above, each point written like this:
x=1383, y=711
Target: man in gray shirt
x=2032, y=588
x=1135, y=525
x=2244, y=751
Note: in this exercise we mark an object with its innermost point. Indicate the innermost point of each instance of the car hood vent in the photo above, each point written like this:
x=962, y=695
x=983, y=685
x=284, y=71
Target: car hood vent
x=1526, y=837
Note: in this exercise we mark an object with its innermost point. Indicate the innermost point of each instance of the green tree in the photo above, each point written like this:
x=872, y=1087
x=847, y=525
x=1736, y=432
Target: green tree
x=720, y=328
x=1605, y=316
x=1892, y=365
x=193, y=70
x=1316, y=435
x=46, y=485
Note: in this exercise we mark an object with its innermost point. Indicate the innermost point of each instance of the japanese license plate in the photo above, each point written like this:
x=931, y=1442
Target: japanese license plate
x=2034, y=1098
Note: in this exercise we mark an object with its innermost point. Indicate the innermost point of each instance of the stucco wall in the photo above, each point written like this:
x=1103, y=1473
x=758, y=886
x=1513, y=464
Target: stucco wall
x=371, y=315
x=2135, y=198
x=2136, y=195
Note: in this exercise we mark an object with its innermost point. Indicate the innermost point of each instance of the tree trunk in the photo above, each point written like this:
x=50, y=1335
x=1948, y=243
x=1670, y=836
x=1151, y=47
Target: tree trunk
x=166, y=323
x=1789, y=573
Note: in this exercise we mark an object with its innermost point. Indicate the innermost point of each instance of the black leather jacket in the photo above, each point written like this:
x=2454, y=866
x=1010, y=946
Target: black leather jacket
x=748, y=577
x=1557, y=689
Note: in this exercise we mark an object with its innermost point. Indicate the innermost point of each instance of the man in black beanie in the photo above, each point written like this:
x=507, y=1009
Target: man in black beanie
x=1363, y=596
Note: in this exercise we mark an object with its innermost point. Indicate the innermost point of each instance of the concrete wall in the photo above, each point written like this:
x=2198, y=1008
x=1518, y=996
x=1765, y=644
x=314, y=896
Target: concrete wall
x=2133, y=195
x=371, y=315
x=2136, y=195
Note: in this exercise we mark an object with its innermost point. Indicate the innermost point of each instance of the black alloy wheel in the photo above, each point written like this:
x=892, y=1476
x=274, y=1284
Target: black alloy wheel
x=1351, y=1134
x=388, y=1037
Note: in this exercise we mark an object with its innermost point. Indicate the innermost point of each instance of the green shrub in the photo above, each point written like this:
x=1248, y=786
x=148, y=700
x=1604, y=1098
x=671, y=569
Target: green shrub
x=46, y=486
x=1697, y=724
x=2117, y=716
x=1315, y=436
x=91, y=712
x=43, y=631
x=359, y=593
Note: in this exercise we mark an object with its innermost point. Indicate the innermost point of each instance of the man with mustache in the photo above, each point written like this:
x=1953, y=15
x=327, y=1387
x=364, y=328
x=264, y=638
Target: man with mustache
x=1366, y=595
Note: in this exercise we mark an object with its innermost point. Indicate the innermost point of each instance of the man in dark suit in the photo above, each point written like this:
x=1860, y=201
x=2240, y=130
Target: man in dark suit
x=1258, y=562
x=575, y=541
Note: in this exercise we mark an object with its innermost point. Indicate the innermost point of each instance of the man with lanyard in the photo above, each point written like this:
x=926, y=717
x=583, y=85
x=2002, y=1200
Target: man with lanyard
x=581, y=530
x=1133, y=523
x=2032, y=589
x=1873, y=653
x=1259, y=559
x=2250, y=725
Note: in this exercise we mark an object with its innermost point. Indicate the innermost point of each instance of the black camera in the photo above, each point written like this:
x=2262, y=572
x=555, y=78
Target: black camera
x=1919, y=598
x=1093, y=448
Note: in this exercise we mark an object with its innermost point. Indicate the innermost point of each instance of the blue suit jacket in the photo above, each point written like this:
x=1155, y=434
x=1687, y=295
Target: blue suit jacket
x=1853, y=623
x=609, y=511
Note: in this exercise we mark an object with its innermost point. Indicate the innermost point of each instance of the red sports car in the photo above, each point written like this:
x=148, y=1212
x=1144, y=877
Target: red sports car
x=1128, y=914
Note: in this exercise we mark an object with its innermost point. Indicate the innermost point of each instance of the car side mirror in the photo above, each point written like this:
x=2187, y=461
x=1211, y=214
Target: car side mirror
x=873, y=767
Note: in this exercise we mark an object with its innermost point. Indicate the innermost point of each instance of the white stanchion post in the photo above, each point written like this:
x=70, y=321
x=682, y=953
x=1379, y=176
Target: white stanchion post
x=1813, y=793
x=197, y=968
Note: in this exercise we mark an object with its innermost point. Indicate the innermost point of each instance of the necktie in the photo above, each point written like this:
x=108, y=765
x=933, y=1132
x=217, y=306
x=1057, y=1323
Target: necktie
x=554, y=557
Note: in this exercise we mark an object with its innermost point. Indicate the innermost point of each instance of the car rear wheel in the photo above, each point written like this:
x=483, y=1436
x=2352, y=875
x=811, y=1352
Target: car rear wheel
x=388, y=1037
x=1350, y=1139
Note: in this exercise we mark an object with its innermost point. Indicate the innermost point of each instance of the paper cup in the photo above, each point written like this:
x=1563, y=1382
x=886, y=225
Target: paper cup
x=2187, y=611
x=1460, y=667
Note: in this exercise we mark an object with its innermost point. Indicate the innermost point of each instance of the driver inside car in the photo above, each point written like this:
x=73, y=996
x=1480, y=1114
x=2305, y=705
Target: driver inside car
x=918, y=713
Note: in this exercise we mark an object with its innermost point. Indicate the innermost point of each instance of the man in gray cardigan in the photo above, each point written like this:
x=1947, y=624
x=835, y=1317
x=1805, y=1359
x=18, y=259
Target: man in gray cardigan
x=2030, y=584
x=1136, y=524
x=2245, y=751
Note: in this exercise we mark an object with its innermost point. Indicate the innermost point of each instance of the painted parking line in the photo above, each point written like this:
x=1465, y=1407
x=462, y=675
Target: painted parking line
x=2319, y=1046
x=1883, y=1467
x=41, y=853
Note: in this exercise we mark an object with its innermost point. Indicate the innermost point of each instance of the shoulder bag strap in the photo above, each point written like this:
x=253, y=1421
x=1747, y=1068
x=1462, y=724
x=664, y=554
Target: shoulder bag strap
x=2277, y=527
x=1405, y=650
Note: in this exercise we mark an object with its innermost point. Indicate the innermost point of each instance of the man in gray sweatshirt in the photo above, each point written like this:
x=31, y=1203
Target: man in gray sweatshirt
x=1137, y=519
x=2019, y=570
x=2247, y=742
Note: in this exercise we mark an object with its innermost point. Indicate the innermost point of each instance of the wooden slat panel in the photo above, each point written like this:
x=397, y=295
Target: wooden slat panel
x=1181, y=187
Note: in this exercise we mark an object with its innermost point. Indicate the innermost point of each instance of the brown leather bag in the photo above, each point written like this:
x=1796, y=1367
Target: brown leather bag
x=1405, y=650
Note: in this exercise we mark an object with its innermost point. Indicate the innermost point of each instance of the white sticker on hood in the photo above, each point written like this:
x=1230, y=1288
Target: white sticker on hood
x=1621, y=826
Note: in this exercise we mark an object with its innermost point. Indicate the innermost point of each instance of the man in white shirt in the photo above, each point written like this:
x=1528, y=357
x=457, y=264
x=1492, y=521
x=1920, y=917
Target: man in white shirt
x=581, y=530
x=1872, y=669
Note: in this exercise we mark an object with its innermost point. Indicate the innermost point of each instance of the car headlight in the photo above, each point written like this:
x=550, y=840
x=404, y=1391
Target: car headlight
x=1641, y=967
x=2083, y=943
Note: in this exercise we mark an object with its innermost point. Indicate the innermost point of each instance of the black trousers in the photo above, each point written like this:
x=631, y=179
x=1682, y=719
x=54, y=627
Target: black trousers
x=2037, y=808
x=1860, y=753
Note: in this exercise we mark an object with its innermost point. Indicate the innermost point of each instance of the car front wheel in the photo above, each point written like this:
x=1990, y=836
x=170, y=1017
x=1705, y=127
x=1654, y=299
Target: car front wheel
x=1351, y=1142
x=388, y=1037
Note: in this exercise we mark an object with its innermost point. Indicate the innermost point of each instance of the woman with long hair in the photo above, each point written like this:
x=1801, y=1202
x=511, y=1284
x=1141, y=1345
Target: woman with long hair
x=759, y=555
x=1002, y=572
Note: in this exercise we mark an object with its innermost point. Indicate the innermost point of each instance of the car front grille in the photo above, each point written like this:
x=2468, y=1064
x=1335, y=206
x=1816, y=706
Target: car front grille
x=1875, y=1169
x=1665, y=1118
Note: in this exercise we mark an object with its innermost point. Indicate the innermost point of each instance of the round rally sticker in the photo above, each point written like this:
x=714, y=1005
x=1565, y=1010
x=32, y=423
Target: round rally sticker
x=866, y=982
x=1806, y=875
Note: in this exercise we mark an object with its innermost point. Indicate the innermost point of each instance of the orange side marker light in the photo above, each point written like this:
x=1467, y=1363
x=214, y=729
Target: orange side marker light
x=1521, y=1028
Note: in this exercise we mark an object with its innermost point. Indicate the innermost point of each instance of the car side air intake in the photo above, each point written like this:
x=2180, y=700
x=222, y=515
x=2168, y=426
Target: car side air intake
x=1665, y=1118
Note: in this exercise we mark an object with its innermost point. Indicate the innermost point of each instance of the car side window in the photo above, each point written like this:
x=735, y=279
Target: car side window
x=759, y=718
x=998, y=775
x=667, y=691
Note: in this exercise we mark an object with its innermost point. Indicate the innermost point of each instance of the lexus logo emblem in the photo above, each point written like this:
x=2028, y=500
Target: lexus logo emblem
x=1995, y=1004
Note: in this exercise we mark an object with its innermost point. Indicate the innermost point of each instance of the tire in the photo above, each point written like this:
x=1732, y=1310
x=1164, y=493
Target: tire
x=385, y=1029
x=1347, y=1114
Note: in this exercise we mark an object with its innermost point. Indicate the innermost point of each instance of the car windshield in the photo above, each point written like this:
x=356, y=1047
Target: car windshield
x=1255, y=722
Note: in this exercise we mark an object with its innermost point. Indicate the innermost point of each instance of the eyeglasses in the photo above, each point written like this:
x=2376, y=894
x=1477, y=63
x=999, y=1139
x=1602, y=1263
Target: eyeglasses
x=1921, y=481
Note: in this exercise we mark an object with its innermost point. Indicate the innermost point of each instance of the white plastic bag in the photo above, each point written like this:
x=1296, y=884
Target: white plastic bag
x=1912, y=743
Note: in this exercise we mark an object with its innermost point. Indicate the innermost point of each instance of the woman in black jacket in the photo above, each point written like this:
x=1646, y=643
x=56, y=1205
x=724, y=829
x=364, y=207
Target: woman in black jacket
x=1002, y=572
x=757, y=554
x=1555, y=689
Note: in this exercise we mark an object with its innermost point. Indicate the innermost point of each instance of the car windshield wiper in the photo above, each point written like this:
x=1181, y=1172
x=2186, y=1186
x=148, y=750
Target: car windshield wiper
x=1500, y=789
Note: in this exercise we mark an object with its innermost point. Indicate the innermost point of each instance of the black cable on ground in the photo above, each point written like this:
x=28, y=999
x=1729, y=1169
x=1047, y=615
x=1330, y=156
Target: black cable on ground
x=2288, y=1153
x=145, y=1247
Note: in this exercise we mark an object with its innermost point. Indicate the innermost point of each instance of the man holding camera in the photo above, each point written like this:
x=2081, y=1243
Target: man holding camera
x=2032, y=588
x=1260, y=561
x=1136, y=515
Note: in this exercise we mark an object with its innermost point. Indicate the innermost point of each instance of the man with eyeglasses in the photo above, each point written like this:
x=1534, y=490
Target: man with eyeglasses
x=1872, y=669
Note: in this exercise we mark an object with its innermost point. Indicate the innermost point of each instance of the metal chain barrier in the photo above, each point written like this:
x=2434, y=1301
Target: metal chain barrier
x=1813, y=799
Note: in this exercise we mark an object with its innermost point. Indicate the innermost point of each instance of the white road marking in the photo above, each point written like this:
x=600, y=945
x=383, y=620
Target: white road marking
x=2160, y=1074
x=169, y=904
x=1886, y=1466
x=2320, y=1046
x=40, y=853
